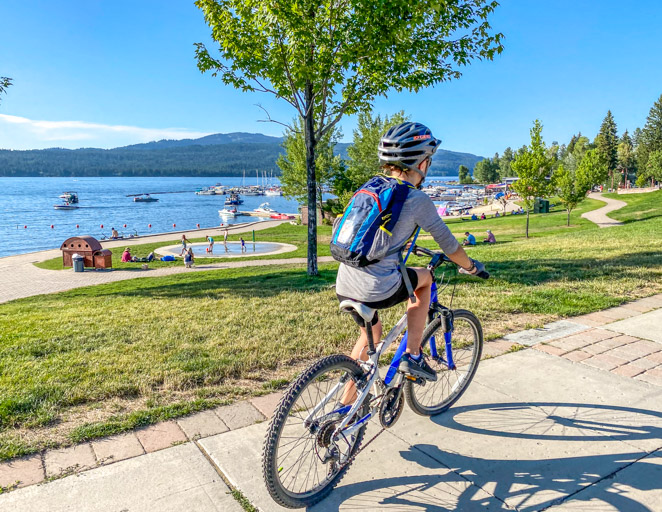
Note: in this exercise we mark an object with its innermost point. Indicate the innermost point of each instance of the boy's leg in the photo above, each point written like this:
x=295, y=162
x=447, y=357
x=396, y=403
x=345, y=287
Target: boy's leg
x=417, y=313
x=360, y=352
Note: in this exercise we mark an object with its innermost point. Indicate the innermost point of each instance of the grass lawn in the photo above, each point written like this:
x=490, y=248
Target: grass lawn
x=640, y=206
x=100, y=360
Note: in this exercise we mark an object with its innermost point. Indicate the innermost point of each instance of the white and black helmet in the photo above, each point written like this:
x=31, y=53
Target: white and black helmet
x=407, y=145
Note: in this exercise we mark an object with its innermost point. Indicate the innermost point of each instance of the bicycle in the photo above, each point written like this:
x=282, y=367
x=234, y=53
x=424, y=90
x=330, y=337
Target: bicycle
x=311, y=430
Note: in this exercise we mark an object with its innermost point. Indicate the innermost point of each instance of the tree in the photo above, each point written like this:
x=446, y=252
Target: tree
x=4, y=83
x=328, y=58
x=363, y=158
x=653, y=169
x=463, y=174
x=571, y=187
x=650, y=138
x=504, y=163
x=627, y=161
x=607, y=145
x=487, y=171
x=593, y=168
x=293, y=163
x=533, y=167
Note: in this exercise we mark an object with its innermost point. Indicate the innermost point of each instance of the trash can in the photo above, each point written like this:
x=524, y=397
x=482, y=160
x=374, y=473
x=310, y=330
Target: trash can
x=79, y=263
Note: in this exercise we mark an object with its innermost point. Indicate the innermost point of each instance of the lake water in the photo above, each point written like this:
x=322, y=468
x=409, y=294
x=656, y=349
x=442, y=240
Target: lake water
x=27, y=213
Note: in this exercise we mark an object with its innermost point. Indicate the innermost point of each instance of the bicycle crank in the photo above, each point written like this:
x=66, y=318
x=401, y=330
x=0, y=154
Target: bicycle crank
x=391, y=407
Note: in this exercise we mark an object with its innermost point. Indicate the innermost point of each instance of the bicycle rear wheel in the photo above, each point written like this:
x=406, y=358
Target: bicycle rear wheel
x=300, y=465
x=467, y=346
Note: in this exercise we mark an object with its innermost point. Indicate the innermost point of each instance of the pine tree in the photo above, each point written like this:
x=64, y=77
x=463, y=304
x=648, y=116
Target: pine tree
x=607, y=144
x=650, y=139
x=626, y=156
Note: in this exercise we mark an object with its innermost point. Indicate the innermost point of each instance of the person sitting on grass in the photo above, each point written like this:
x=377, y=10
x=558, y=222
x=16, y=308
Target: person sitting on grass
x=126, y=255
x=470, y=239
x=474, y=216
x=490, y=238
x=496, y=215
x=189, y=258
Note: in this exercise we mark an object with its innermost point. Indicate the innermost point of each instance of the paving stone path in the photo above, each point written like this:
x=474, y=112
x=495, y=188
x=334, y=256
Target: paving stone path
x=599, y=216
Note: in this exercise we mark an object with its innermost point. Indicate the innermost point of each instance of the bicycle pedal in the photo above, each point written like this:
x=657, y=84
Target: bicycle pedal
x=415, y=380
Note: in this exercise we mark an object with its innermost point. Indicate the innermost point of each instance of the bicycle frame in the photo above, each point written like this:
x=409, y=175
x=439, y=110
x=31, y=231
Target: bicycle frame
x=371, y=368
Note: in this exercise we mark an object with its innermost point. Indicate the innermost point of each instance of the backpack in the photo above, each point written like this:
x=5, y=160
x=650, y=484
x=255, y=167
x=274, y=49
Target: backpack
x=362, y=236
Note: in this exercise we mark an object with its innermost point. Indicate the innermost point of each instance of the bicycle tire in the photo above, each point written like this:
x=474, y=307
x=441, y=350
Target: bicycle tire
x=421, y=399
x=270, y=455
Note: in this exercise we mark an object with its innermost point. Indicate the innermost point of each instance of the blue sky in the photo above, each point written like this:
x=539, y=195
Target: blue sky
x=104, y=74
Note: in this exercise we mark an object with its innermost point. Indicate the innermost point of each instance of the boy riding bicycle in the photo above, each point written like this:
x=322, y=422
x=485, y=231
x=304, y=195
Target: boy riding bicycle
x=405, y=152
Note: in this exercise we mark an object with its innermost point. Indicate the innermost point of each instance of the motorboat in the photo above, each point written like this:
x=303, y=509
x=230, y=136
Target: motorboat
x=207, y=191
x=233, y=200
x=66, y=206
x=252, y=191
x=265, y=209
x=145, y=198
x=273, y=192
x=69, y=197
x=228, y=212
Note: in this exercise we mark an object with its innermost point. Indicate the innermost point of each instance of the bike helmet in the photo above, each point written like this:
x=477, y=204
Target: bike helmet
x=407, y=145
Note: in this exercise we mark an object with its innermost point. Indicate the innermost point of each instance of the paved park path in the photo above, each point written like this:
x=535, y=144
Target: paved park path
x=20, y=278
x=599, y=216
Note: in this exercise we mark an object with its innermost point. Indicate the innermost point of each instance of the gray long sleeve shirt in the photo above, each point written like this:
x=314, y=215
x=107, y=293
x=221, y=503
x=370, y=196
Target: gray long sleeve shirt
x=381, y=280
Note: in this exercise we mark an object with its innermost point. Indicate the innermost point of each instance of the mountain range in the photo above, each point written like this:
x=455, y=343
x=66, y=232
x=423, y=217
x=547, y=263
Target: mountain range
x=220, y=154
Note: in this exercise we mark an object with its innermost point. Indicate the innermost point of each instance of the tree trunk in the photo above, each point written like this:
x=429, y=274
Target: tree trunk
x=309, y=130
x=568, y=218
x=527, y=223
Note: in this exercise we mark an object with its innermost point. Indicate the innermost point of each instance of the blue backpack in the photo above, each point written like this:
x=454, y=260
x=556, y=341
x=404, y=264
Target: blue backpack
x=362, y=235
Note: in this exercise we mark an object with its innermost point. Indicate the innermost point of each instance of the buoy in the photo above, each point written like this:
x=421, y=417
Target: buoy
x=25, y=227
x=174, y=225
x=77, y=226
x=198, y=226
x=149, y=226
x=52, y=226
x=101, y=226
x=124, y=225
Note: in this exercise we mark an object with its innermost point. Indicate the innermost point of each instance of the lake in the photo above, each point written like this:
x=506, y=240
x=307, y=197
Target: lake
x=27, y=213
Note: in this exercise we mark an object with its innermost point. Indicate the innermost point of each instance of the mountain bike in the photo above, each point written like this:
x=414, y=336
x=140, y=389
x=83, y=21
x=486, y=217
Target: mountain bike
x=313, y=438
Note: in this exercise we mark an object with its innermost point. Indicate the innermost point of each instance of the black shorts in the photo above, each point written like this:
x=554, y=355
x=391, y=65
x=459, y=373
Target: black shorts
x=400, y=295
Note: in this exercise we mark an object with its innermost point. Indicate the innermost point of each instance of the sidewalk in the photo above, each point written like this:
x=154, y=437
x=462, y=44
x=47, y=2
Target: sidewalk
x=572, y=423
x=599, y=216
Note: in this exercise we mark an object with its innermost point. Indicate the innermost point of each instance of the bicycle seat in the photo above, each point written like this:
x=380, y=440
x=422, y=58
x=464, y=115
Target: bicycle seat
x=347, y=306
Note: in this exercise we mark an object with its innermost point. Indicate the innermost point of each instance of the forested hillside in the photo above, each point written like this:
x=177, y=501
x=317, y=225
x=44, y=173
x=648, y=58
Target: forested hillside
x=215, y=155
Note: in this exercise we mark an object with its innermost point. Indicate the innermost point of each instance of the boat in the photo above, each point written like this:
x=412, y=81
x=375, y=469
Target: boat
x=233, y=200
x=264, y=208
x=273, y=192
x=228, y=212
x=281, y=216
x=252, y=191
x=69, y=197
x=145, y=198
x=65, y=206
x=207, y=191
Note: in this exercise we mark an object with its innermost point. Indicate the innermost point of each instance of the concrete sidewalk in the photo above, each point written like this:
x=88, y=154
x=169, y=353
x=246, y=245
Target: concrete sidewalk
x=599, y=216
x=555, y=426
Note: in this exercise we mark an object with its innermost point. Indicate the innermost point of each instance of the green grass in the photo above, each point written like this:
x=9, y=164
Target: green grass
x=101, y=360
x=640, y=206
x=284, y=233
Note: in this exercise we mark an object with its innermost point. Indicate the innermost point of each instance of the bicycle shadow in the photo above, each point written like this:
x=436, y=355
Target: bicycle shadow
x=458, y=480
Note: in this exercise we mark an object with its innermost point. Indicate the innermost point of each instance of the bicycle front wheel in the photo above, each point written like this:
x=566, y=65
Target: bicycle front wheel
x=467, y=345
x=300, y=463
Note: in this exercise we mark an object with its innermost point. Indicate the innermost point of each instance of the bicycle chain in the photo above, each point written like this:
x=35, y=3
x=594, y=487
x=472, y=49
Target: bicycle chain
x=365, y=445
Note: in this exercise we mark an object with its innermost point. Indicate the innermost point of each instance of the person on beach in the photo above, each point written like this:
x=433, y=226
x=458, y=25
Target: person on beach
x=185, y=241
x=490, y=238
x=189, y=258
x=405, y=153
x=210, y=249
x=225, y=236
x=243, y=245
x=114, y=234
x=470, y=239
x=126, y=255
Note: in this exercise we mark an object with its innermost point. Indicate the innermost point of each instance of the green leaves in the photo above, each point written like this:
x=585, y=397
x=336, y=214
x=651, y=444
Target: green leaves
x=533, y=167
x=4, y=83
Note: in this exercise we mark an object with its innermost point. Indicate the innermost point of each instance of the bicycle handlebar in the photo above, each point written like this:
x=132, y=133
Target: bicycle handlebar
x=439, y=257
